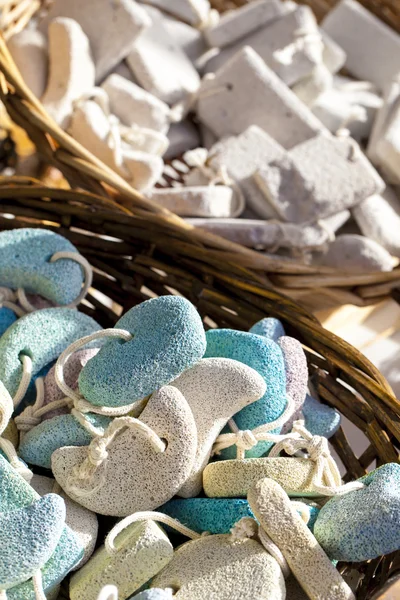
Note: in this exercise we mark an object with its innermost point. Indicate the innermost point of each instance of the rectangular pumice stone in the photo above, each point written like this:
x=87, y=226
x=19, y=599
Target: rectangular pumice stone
x=291, y=46
x=241, y=156
x=235, y=24
x=245, y=92
x=160, y=65
x=111, y=27
x=372, y=48
x=134, y=106
x=194, y=12
x=318, y=178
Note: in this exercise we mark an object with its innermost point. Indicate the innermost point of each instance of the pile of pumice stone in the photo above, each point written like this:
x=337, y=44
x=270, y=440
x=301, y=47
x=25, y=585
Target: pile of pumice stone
x=278, y=149
x=203, y=455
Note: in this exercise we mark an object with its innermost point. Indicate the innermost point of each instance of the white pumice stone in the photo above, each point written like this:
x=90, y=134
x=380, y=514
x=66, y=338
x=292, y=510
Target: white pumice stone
x=29, y=52
x=90, y=127
x=194, y=12
x=134, y=106
x=313, y=85
x=190, y=39
x=388, y=147
x=266, y=234
x=182, y=136
x=123, y=70
x=218, y=567
x=111, y=27
x=320, y=177
x=291, y=46
x=208, y=139
x=241, y=156
x=354, y=109
x=391, y=102
x=202, y=201
x=372, y=48
x=333, y=55
x=356, y=253
x=161, y=66
x=215, y=389
x=236, y=24
x=71, y=72
x=227, y=108
x=378, y=217
x=306, y=559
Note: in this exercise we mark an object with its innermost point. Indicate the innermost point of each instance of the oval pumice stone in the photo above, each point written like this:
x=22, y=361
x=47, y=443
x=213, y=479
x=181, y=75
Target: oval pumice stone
x=268, y=327
x=168, y=338
x=25, y=263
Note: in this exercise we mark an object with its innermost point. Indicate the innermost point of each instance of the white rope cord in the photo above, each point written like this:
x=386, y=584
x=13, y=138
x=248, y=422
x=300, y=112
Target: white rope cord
x=6, y=408
x=64, y=356
x=198, y=158
x=109, y=592
x=307, y=40
x=38, y=586
x=25, y=379
x=248, y=528
x=3, y=595
x=8, y=299
x=14, y=460
x=326, y=478
x=87, y=282
x=247, y=439
x=147, y=515
x=97, y=452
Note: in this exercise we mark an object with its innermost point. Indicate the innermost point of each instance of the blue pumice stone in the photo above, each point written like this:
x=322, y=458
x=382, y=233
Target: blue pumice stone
x=168, y=338
x=268, y=327
x=25, y=263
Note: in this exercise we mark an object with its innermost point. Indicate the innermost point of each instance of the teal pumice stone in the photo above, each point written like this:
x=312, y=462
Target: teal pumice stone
x=320, y=419
x=40, y=442
x=215, y=515
x=264, y=356
x=16, y=494
x=28, y=538
x=7, y=318
x=268, y=327
x=363, y=524
x=25, y=263
x=168, y=338
x=43, y=335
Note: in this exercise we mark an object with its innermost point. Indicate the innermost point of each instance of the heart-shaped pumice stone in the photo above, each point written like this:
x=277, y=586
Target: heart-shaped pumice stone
x=25, y=263
x=320, y=419
x=40, y=442
x=365, y=523
x=28, y=538
x=15, y=494
x=269, y=327
x=134, y=476
x=218, y=567
x=168, y=338
x=264, y=356
x=215, y=515
x=42, y=335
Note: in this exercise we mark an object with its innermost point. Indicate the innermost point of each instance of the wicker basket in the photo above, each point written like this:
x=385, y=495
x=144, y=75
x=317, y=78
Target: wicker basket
x=145, y=251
